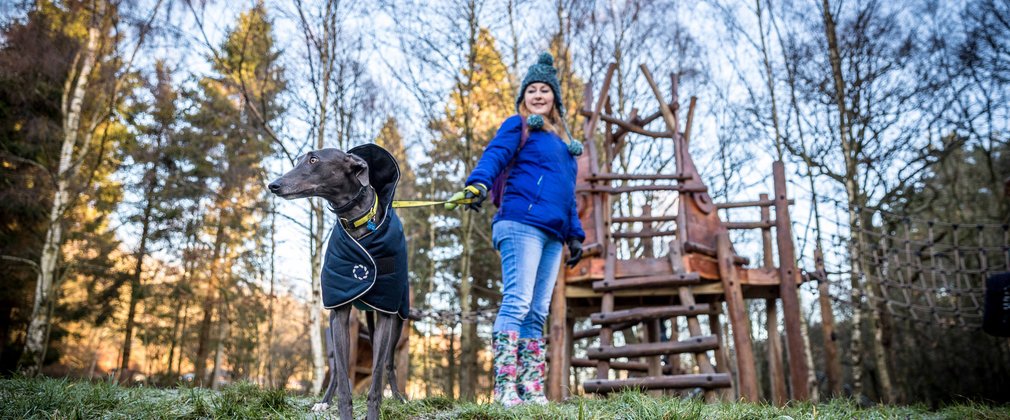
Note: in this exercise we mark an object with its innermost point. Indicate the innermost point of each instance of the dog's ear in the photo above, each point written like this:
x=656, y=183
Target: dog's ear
x=358, y=169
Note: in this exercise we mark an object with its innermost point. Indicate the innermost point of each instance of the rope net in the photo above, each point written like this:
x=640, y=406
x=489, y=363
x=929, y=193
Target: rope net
x=922, y=271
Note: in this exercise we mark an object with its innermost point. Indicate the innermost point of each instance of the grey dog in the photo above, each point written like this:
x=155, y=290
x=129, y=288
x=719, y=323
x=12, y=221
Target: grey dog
x=365, y=261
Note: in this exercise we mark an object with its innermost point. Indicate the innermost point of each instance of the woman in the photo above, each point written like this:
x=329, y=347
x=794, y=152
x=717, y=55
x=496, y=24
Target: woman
x=536, y=217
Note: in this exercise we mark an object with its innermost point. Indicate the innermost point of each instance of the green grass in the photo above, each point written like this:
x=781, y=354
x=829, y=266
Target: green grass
x=47, y=398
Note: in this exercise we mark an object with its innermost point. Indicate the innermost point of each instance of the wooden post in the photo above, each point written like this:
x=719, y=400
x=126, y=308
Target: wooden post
x=834, y=366
x=798, y=370
x=738, y=320
x=566, y=371
x=557, y=349
x=721, y=358
x=606, y=306
x=776, y=373
x=654, y=362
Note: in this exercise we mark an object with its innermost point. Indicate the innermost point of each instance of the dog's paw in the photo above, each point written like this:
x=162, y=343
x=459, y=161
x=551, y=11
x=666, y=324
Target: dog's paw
x=318, y=407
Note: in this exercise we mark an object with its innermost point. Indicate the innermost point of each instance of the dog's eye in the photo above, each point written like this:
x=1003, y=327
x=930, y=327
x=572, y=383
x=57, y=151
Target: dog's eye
x=313, y=159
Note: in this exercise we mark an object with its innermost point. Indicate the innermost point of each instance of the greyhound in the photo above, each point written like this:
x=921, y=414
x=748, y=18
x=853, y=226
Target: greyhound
x=365, y=260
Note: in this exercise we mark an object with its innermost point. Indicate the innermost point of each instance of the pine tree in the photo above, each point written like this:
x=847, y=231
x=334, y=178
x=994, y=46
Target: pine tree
x=227, y=122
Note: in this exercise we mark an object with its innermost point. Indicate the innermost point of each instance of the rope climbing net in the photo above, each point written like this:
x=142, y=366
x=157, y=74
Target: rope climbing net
x=927, y=272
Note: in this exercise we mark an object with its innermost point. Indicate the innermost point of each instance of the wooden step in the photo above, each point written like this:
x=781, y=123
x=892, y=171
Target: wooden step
x=669, y=280
x=637, y=177
x=652, y=312
x=628, y=366
x=591, y=188
x=708, y=251
x=703, y=380
x=643, y=234
x=595, y=332
x=691, y=345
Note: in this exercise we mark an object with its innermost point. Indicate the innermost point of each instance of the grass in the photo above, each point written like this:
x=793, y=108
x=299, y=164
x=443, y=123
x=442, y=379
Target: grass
x=48, y=398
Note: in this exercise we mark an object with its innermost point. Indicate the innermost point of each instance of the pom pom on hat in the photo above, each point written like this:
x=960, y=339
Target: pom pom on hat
x=546, y=59
x=535, y=121
x=575, y=148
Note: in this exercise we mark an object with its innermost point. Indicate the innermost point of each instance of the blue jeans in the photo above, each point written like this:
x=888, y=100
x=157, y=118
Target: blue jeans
x=530, y=260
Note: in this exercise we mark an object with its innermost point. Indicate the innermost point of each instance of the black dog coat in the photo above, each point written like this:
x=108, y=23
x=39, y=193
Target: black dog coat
x=371, y=272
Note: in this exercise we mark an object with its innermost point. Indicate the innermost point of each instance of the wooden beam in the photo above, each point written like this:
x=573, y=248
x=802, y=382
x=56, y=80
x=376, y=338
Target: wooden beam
x=741, y=204
x=644, y=234
x=591, y=188
x=691, y=246
x=746, y=369
x=691, y=345
x=559, y=313
x=690, y=120
x=643, y=219
x=637, y=177
x=627, y=126
x=798, y=369
x=594, y=332
x=607, y=305
x=706, y=381
x=776, y=372
x=721, y=355
x=748, y=225
x=646, y=281
x=649, y=313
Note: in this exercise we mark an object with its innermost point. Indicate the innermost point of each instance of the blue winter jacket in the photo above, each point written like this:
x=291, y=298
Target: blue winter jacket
x=540, y=190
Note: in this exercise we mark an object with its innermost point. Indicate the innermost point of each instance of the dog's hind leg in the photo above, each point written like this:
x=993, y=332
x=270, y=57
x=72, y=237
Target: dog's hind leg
x=395, y=332
x=381, y=347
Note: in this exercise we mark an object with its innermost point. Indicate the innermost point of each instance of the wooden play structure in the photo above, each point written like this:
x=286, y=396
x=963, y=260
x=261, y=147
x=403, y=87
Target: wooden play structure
x=696, y=275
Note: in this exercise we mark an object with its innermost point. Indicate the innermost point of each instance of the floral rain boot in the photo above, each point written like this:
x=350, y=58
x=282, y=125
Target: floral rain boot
x=505, y=345
x=532, y=369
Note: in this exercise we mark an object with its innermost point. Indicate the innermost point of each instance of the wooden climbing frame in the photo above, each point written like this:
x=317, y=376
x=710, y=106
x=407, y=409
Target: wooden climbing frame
x=700, y=271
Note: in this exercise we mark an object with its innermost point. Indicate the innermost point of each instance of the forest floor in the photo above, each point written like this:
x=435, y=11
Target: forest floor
x=67, y=399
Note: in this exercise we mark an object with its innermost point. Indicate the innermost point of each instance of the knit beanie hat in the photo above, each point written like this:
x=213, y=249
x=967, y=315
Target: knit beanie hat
x=542, y=71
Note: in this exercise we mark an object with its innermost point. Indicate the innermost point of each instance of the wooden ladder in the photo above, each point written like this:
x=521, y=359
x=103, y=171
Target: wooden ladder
x=697, y=344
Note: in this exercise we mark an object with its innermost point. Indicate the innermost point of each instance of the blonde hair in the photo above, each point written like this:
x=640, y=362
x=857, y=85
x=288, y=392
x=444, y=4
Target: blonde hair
x=552, y=122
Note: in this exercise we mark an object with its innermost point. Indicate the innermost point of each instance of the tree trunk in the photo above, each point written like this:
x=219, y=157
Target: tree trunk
x=451, y=362
x=37, y=336
x=203, y=345
x=176, y=323
x=138, y=270
x=222, y=335
x=468, y=327
x=811, y=375
x=852, y=193
x=878, y=319
x=315, y=303
x=271, y=299
x=833, y=365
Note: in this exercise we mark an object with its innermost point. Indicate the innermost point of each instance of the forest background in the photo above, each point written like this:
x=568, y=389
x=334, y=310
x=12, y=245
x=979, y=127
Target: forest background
x=139, y=243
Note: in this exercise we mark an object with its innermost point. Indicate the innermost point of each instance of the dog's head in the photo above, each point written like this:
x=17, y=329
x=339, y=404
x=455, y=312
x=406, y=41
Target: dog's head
x=327, y=173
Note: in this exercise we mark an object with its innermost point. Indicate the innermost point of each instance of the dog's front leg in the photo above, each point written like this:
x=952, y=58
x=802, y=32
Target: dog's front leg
x=381, y=348
x=332, y=359
x=340, y=336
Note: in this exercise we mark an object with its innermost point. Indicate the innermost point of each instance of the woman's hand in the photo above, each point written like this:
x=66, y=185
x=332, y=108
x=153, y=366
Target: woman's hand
x=574, y=252
x=470, y=197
